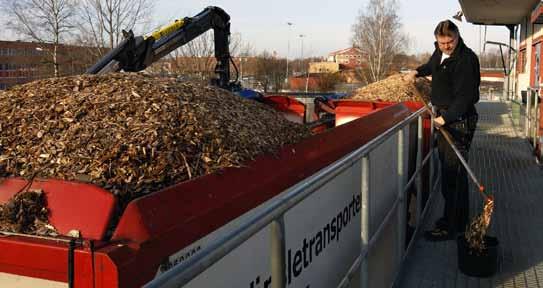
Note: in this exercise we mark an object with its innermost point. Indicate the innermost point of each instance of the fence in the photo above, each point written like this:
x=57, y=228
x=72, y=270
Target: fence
x=377, y=175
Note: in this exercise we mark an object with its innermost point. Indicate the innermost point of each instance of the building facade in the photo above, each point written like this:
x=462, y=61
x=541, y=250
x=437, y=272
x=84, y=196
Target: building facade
x=22, y=62
x=323, y=67
x=349, y=58
x=523, y=18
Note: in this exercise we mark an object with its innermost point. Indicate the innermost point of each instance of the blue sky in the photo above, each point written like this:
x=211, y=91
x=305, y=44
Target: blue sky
x=326, y=24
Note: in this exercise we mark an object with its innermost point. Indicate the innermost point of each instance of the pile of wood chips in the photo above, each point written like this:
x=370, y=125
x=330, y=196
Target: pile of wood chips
x=26, y=213
x=132, y=134
x=394, y=89
x=477, y=229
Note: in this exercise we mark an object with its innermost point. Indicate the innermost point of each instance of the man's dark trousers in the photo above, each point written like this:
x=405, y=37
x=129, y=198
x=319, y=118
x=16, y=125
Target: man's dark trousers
x=454, y=178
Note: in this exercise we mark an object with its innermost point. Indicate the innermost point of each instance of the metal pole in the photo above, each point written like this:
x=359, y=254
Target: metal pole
x=528, y=114
x=503, y=63
x=537, y=116
x=419, y=176
x=350, y=280
x=364, y=267
x=431, y=150
x=401, y=197
x=511, y=68
x=302, y=53
x=309, y=109
x=241, y=68
x=302, y=56
x=480, y=32
x=288, y=49
x=535, y=122
x=278, y=253
x=306, y=81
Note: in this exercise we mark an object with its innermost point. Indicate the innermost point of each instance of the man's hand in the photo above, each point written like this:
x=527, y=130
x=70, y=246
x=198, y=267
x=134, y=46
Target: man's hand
x=439, y=121
x=410, y=76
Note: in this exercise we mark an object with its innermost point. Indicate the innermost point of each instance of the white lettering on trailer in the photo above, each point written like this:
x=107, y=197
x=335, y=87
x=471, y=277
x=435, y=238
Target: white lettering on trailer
x=314, y=247
x=323, y=232
x=322, y=235
x=248, y=266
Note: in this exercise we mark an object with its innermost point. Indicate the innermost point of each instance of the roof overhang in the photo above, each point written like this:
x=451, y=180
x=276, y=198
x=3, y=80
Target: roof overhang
x=497, y=12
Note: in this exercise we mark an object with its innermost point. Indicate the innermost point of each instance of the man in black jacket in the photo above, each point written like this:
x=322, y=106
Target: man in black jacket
x=455, y=90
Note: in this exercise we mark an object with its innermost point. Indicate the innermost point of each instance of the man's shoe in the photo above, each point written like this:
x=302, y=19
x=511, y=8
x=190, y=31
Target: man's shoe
x=437, y=234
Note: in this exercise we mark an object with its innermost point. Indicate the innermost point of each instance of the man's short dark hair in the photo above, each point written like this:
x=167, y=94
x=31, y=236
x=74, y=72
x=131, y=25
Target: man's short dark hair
x=446, y=28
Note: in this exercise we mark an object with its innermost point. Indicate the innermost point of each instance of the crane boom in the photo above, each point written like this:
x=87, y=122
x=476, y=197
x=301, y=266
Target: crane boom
x=137, y=53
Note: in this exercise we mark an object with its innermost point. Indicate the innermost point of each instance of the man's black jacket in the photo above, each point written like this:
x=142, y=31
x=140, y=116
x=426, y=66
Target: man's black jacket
x=455, y=82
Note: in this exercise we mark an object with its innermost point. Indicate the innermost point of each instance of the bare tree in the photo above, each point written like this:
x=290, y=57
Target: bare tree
x=327, y=81
x=241, y=51
x=423, y=57
x=377, y=32
x=246, y=49
x=196, y=59
x=102, y=21
x=492, y=58
x=47, y=22
x=270, y=71
x=245, y=61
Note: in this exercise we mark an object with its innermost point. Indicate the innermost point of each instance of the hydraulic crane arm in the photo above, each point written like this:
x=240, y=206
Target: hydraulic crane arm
x=137, y=53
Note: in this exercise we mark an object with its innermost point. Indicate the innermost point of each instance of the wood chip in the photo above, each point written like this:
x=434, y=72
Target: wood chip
x=26, y=213
x=131, y=133
x=477, y=229
x=394, y=89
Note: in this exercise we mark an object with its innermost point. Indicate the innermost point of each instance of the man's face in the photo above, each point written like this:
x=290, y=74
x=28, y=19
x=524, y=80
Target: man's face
x=447, y=43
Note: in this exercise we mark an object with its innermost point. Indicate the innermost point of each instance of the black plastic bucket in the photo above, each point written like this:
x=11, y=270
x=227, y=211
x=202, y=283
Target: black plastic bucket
x=471, y=264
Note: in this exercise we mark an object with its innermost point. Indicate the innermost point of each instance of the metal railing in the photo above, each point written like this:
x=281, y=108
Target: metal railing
x=532, y=116
x=274, y=212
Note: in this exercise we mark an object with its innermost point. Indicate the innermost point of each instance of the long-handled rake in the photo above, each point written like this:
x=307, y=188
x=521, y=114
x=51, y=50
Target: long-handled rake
x=479, y=226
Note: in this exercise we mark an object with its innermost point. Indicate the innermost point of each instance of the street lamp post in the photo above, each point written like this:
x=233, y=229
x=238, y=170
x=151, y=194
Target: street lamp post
x=241, y=68
x=302, y=51
x=288, y=49
x=302, y=62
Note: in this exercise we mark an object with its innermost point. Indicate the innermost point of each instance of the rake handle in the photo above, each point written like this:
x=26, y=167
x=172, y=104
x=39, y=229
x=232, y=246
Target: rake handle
x=448, y=137
x=449, y=140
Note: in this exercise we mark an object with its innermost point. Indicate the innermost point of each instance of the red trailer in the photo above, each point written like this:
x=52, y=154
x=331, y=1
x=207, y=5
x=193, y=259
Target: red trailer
x=129, y=248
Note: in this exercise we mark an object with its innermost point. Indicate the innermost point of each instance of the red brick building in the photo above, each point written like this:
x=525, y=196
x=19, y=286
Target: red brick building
x=349, y=58
x=22, y=62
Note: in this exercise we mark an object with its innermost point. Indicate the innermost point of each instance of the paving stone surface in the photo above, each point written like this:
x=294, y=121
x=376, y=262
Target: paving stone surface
x=505, y=163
